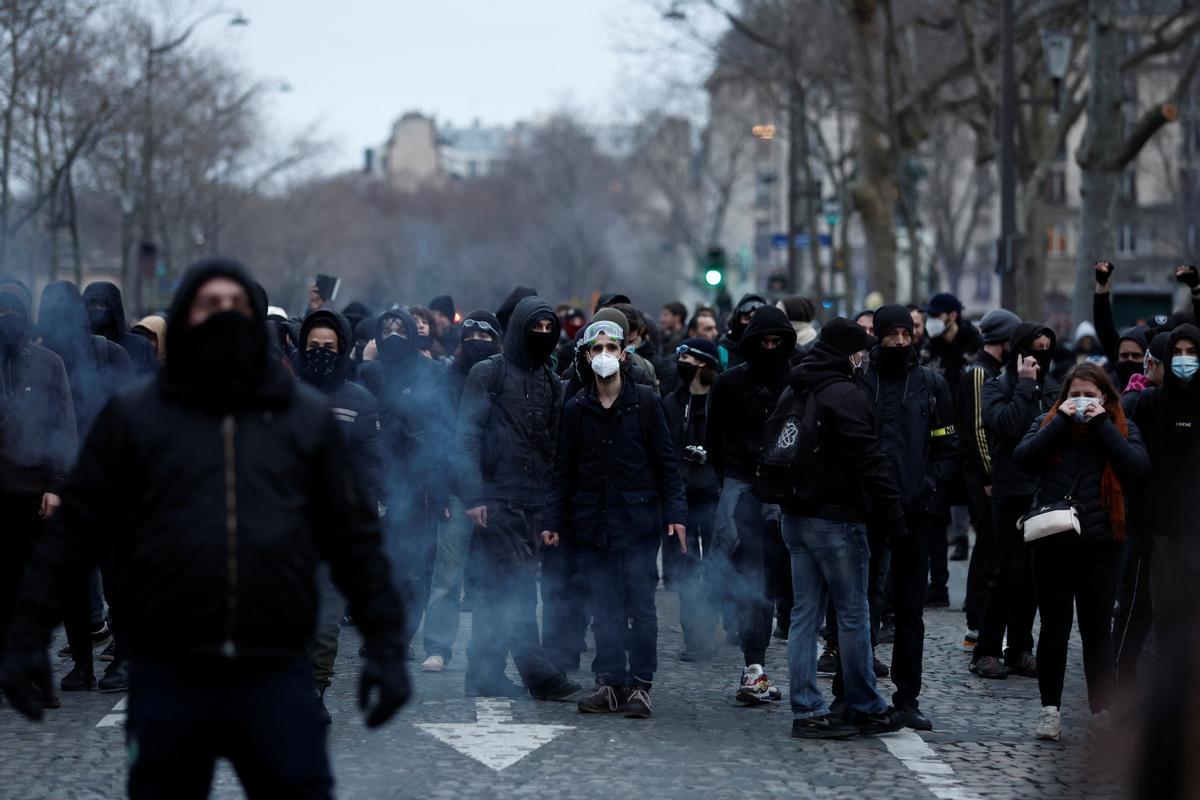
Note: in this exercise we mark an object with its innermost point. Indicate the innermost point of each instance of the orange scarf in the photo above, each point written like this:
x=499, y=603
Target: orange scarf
x=1112, y=496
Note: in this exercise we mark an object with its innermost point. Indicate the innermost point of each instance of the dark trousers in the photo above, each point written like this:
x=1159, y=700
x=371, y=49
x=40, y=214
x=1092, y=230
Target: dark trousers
x=504, y=620
x=696, y=575
x=564, y=605
x=622, y=584
x=1135, y=613
x=78, y=623
x=939, y=557
x=983, y=557
x=22, y=527
x=1072, y=573
x=1011, y=602
x=910, y=571
x=268, y=724
x=742, y=515
x=411, y=542
x=779, y=576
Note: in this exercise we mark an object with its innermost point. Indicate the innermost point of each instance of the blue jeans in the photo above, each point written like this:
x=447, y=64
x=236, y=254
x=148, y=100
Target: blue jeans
x=445, y=591
x=829, y=559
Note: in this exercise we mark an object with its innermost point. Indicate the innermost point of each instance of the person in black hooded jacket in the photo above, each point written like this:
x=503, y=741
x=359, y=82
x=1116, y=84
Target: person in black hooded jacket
x=106, y=313
x=506, y=439
x=220, y=485
x=741, y=401
x=1010, y=405
x=731, y=341
x=415, y=424
x=323, y=363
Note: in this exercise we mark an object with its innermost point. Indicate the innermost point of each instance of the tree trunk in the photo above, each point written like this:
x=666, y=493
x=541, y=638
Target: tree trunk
x=1100, y=151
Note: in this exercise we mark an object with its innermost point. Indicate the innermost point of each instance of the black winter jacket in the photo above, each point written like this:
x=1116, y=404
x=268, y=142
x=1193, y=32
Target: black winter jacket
x=973, y=438
x=616, y=478
x=861, y=485
x=914, y=420
x=1010, y=405
x=1058, y=459
x=743, y=398
x=508, y=420
x=215, y=522
x=687, y=419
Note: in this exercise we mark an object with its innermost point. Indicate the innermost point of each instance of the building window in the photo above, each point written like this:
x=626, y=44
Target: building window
x=1129, y=187
x=1054, y=187
x=764, y=189
x=1126, y=239
x=762, y=240
x=1058, y=240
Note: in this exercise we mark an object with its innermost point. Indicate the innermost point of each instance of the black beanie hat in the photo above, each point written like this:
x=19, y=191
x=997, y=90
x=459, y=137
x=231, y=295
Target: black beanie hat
x=703, y=349
x=846, y=336
x=443, y=303
x=890, y=317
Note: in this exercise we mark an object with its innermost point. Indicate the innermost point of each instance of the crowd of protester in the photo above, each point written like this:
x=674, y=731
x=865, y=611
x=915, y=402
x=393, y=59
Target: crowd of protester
x=177, y=493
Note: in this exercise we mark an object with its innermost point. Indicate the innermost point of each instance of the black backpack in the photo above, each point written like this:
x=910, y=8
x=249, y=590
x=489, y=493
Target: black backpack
x=791, y=466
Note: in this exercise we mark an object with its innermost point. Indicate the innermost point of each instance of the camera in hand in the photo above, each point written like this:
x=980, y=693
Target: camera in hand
x=695, y=454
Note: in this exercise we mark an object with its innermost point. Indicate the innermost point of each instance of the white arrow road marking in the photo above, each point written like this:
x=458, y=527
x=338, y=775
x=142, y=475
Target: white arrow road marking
x=494, y=740
x=936, y=775
x=117, y=717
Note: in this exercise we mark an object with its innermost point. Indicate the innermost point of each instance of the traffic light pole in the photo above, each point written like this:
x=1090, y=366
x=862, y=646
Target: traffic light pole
x=1007, y=255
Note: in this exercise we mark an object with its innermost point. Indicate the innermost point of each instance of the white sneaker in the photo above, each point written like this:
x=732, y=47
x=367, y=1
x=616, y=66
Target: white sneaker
x=755, y=687
x=1049, y=729
x=433, y=664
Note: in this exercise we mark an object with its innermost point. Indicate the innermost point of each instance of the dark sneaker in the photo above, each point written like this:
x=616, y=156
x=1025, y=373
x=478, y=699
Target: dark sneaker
x=557, y=688
x=827, y=663
x=116, y=677
x=829, y=726
x=881, y=669
x=604, y=700
x=887, y=632
x=1024, y=665
x=877, y=724
x=961, y=551
x=496, y=687
x=989, y=667
x=937, y=598
x=913, y=718
x=637, y=703
x=79, y=680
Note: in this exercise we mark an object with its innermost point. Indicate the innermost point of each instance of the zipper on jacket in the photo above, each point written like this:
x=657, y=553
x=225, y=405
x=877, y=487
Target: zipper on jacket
x=229, y=432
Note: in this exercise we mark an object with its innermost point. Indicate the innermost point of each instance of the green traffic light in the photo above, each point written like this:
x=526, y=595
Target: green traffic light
x=713, y=277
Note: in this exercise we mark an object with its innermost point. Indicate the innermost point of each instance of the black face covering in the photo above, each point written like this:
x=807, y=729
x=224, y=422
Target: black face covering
x=893, y=361
x=686, y=372
x=1126, y=370
x=393, y=349
x=768, y=363
x=474, y=351
x=100, y=318
x=226, y=357
x=318, y=364
x=540, y=345
x=1044, y=359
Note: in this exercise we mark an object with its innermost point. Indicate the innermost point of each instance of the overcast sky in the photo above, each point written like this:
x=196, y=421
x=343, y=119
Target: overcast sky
x=355, y=65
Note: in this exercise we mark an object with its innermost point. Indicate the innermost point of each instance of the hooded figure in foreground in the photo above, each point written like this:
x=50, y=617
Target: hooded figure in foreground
x=218, y=487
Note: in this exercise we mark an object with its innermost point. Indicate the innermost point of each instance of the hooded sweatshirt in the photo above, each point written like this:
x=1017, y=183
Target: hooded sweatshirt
x=111, y=324
x=1169, y=419
x=158, y=326
x=37, y=416
x=732, y=339
x=508, y=421
x=743, y=397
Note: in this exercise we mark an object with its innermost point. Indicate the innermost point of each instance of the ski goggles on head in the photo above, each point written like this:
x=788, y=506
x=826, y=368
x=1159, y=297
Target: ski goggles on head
x=482, y=325
x=749, y=308
x=684, y=350
x=594, y=331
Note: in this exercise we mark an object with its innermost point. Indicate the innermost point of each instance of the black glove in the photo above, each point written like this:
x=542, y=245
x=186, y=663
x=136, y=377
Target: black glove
x=1104, y=271
x=385, y=674
x=25, y=678
x=1187, y=275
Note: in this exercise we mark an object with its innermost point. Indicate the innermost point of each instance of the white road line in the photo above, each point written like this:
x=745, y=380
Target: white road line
x=936, y=775
x=117, y=717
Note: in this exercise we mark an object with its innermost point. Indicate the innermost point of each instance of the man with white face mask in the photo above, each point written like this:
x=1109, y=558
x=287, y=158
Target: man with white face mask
x=616, y=488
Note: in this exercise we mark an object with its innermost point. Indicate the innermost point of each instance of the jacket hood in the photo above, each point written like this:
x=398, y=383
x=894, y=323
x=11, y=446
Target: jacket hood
x=62, y=318
x=527, y=311
x=767, y=321
x=330, y=319
x=410, y=329
x=114, y=325
x=1172, y=385
x=355, y=312
x=18, y=296
x=1138, y=334
x=1082, y=331
x=158, y=326
x=1022, y=339
x=822, y=363
x=505, y=311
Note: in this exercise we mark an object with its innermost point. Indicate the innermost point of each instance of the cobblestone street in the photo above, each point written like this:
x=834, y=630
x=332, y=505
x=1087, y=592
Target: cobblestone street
x=699, y=743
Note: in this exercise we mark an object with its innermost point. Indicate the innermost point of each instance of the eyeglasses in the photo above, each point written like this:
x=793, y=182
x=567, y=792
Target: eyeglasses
x=483, y=325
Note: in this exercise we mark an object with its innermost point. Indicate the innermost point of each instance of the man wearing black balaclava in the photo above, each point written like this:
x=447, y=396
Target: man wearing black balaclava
x=323, y=362
x=731, y=342
x=740, y=402
x=480, y=339
x=219, y=486
x=37, y=448
x=106, y=313
x=914, y=420
x=507, y=437
x=415, y=428
x=1011, y=403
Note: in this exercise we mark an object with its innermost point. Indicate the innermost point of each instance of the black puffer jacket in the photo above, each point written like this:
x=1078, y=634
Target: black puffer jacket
x=1010, y=405
x=1059, y=459
x=353, y=406
x=508, y=421
x=743, y=398
x=37, y=416
x=114, y=327
x=616, y=477
x=216, y=522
